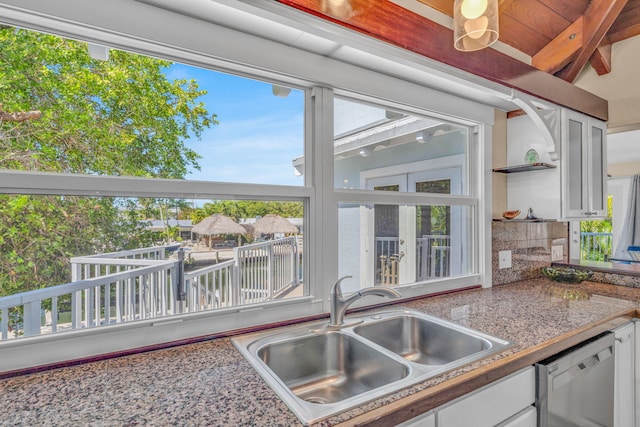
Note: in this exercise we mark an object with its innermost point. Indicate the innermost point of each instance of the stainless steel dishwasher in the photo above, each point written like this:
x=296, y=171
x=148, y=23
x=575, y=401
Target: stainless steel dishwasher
x=575, y=388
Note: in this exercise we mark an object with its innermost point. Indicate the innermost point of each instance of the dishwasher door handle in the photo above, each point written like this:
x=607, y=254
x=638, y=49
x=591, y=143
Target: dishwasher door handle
x=561, y=378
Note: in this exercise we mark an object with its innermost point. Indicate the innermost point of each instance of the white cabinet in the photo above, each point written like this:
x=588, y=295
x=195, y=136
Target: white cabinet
x=504, y=403
x=576, y=188
x=584, y=166
x=526, y=418
x=492, y=404
x=624, y=391
x=427, y=419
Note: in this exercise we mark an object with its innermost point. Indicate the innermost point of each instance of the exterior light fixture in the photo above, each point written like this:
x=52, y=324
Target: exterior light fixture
x=365, y=152
x=475, y=24
x=280, y=91
x=422, y=137
x=298, y=166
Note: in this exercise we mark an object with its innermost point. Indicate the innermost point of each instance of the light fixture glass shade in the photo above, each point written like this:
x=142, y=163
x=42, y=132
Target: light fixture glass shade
x=475, y=24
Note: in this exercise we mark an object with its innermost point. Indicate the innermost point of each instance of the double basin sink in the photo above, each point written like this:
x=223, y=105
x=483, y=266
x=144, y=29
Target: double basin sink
x=319, y=371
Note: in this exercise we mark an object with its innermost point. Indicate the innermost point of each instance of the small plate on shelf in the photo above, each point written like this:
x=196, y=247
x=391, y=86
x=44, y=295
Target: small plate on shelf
x=531, y=157
x=510, y=214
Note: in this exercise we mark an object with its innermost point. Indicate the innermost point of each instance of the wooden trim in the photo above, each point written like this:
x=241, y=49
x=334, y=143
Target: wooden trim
x=393, y=24
x=516, y=113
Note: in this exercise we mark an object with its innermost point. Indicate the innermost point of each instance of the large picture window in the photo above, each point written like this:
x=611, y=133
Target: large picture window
x=382, y=152
x=163, y=200
x=183, y=237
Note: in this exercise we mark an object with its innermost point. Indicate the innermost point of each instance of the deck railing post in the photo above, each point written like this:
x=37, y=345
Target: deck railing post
x=179, y=297
x=235, y=281
x=270, y=270
x=76, y=297
x=32, y=318
x=4, y=324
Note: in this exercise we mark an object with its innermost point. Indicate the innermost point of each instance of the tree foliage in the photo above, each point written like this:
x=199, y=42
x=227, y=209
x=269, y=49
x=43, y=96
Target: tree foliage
x=237, y=209
x=598, y=245
x=117, y=117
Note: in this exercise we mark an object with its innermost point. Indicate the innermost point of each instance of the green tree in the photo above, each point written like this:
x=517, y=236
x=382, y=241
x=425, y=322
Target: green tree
x=117, y=117
x=237, y=209
x=598, y=246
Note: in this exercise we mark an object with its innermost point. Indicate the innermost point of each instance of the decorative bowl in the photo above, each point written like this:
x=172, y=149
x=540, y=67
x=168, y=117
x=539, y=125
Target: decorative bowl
x=566, y=274
x=510, y=214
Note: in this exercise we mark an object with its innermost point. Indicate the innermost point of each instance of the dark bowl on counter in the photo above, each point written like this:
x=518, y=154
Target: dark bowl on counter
x=566, y=274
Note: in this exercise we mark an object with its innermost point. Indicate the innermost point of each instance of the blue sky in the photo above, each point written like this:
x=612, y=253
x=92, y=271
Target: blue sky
x=259, y=133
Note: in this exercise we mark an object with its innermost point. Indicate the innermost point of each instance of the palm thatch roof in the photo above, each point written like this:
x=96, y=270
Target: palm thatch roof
x=217, y=224
x=271, y=223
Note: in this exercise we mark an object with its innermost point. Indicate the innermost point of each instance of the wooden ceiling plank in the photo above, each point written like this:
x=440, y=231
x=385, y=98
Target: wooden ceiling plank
x=625, y=33
x=598, y=18
x=538, y=17
x=444, y=6
x=601, y=59
x=627, y=24
x=521, y=37
x=570, y=10
x=561, y=50
x=504, y=5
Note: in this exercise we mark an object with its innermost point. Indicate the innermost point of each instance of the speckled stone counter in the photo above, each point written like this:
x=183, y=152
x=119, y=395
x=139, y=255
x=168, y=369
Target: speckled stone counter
x=210, y=384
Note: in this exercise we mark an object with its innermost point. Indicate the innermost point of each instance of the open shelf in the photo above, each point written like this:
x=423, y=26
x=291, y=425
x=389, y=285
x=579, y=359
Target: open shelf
x=525, y=168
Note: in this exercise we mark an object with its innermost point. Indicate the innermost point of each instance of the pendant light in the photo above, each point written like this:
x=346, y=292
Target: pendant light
x=475, y=24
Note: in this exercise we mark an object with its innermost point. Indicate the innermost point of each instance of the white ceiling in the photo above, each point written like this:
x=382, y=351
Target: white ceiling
x=621, y=87
x=623, y=147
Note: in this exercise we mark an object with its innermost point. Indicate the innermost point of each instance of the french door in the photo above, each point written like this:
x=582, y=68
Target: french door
x=413, y=243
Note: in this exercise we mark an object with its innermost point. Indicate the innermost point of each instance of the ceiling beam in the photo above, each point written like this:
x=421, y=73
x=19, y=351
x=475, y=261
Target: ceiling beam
x=561, y=50
x=391, y=23
x=598, y=18
x=601, y=58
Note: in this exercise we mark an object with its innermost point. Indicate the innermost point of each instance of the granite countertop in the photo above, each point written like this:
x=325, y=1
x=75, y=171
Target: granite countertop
x=210, y=383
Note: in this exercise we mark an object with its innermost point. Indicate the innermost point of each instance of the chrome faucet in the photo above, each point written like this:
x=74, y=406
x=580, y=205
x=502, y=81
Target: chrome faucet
x=340, y=303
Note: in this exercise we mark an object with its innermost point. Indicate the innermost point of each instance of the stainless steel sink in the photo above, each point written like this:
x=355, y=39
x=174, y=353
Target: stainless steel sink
x=423, y=341
x=330, y=367
x=320, y=371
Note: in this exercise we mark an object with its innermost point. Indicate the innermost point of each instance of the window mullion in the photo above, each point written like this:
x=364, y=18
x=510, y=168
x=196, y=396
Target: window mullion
x=323, y=212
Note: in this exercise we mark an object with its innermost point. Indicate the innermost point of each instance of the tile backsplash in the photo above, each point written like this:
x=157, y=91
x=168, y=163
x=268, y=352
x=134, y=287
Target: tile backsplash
x=530, y=245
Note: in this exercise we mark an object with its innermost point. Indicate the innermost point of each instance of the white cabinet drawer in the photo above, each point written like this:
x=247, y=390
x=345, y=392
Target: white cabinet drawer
x=491, y=404
x=424, y=420
x=526, y=418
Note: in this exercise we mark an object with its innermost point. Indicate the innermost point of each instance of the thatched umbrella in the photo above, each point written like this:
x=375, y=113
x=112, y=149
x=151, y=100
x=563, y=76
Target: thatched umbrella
x=216, y=225
x=270, y=224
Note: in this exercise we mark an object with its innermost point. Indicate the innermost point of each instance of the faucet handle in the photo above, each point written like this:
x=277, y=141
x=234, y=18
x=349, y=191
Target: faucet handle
x=337, y=288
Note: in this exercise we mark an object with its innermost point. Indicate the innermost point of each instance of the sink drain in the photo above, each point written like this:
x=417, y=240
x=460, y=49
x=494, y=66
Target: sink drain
x=318, y=400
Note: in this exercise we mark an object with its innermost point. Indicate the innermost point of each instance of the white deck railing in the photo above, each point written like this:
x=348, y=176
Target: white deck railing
x=267, y=270
x=432, y=257
x=141, y=284
x=211, y=287
x=433, y=251
x=141, y=293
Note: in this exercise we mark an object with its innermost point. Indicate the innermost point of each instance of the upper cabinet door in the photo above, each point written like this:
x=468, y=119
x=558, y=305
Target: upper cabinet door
x=598, y=167
x=584, y=166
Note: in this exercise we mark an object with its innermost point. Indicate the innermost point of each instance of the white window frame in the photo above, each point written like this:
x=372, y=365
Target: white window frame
x=163, y=34
x=475, y=149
